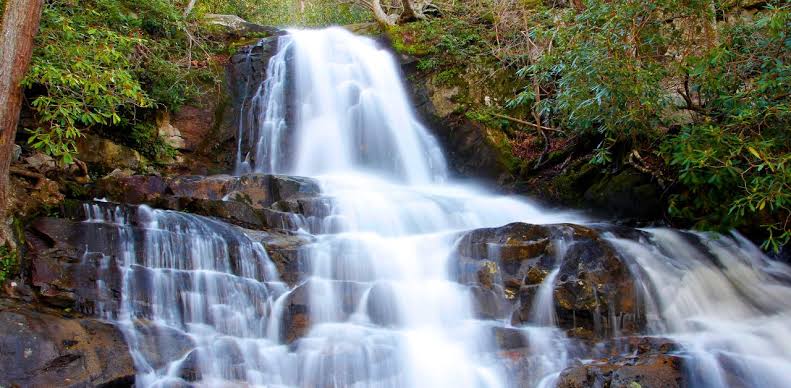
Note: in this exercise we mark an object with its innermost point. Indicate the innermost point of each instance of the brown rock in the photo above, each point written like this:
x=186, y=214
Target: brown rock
x=194, y=124
x=594, y=291
x=93, y=149
x=39, y=348
x=654, y=370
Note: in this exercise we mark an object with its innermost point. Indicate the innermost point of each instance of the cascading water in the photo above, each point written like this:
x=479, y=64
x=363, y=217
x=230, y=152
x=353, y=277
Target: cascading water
x=383, y=308
x=728, y=305
x=195, y=291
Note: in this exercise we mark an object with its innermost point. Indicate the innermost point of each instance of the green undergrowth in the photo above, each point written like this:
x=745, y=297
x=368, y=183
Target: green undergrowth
x=698, y=91
x=107, y=66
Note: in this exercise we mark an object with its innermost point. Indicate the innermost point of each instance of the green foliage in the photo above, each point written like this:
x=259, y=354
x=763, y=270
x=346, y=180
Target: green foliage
x=8, y=262
x=447, y=76
x=427, y=64
x=445, y=40
x=624, y=71
x=102, y=64
x=735, y=162
x=604, y=68
x=305, y=13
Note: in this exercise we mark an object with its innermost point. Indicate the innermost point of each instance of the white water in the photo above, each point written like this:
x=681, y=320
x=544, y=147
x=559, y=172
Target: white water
x=355, y=131
x=383, y=310
x=729, y=306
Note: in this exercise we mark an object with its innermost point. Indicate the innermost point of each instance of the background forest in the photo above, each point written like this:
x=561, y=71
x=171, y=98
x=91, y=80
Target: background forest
x=694, y=93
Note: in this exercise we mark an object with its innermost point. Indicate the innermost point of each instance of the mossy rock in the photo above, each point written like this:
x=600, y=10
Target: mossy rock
x=628, y=194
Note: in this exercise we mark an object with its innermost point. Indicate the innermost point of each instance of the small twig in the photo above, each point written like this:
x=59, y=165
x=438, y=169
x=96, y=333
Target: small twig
x=534, y=125
x=643, y=167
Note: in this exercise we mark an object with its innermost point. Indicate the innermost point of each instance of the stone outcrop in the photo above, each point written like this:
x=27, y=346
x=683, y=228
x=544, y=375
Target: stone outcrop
x=108, y=155
x=235, y=26
x=40, y=347
x=251, y=201
x=634, y=362
x=65, y=263
x=593, y=293
x=473, y=149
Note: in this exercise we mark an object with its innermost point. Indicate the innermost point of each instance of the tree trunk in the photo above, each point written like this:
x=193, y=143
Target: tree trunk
x=189, y=8
x=20, y=24
x=413, y=10
x=379, y=13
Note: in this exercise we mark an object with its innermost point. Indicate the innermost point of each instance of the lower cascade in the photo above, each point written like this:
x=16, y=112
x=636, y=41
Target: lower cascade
x=405, y=278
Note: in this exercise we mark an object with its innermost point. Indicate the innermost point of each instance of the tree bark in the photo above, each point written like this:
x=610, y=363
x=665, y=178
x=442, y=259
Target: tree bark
x=413, y=10
x=20, y=23
x=379, y=14
x=189, y=8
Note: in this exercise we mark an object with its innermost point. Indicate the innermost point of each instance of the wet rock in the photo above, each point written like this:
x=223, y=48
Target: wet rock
x=628, y=362
x=381, y=305
x=64, y=272
x=286, y=250
x=488, y=303
x=653, y=370
x=247, y=201
x=161, y=345
x=259, y=190
x=300, y=311
x=594, y=292
x=41, y=348
x=189, y=369
x=67, y=257
x=509, y=338
x=296, y=316
x=594, y=289
x=235, y=212
x=628, y=194
x=134, y=189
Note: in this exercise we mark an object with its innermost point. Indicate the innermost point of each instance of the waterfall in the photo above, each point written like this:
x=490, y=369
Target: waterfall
x=725, y=302
x=377, y=305
x=197, y=295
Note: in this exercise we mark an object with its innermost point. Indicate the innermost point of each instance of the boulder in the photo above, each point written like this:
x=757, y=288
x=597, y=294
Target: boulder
x=258, y=190
x=285, y=249
x=169, y=133
x=67, y=257
x=160, y=345
x=593, y=292
x=633, y=361
x=300, y=312
x=104, y=153
x=236, y=26
x=42, y=348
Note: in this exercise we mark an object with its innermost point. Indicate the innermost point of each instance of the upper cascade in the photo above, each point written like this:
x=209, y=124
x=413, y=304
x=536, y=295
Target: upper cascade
x=350, y=113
